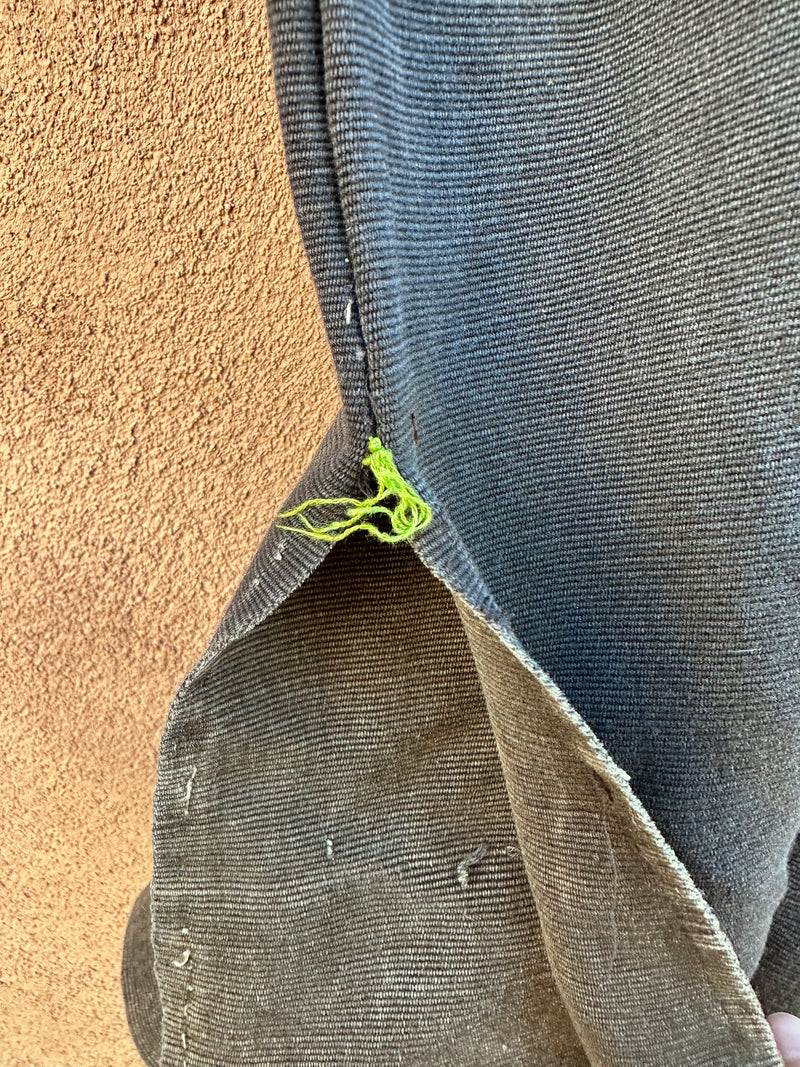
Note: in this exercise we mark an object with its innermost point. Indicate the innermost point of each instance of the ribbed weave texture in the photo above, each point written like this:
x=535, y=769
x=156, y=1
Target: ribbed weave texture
x=574, y=232
x=555, y=251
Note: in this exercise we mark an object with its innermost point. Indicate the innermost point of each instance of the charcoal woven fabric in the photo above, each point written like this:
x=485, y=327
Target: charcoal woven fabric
x=525, y=790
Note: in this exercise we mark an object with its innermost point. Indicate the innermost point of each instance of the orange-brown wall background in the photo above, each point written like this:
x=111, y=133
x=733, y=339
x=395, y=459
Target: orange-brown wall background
x=165, y=381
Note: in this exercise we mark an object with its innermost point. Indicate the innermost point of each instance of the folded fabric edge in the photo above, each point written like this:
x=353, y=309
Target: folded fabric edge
x=743, y=1022
x=139, y=986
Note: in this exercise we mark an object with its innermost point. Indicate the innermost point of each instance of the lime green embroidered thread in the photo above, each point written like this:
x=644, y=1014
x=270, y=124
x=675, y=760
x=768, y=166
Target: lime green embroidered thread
x=409, y=515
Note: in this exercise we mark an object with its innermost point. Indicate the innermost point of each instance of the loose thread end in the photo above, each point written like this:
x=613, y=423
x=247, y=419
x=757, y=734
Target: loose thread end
x=408, y=516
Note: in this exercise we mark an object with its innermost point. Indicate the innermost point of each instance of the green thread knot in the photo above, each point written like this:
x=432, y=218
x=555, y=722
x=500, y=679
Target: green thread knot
x=408, y=516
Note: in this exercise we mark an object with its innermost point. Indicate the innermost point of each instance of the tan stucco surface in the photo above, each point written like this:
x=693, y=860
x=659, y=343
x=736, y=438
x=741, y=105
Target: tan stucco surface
x=165, y=381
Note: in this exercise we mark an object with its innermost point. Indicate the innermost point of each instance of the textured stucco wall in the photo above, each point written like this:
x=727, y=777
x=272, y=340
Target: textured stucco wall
x=165, y=380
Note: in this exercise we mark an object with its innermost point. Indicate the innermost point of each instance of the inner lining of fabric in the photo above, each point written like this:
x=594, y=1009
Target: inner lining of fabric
x=377, y=830
x=349, y=807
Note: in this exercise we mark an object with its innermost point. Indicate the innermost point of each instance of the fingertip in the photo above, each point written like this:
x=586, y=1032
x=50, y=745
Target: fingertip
x=786, y=1028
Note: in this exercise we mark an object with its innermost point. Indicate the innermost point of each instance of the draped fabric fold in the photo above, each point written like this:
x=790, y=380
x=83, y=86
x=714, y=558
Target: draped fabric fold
x=524, y=789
